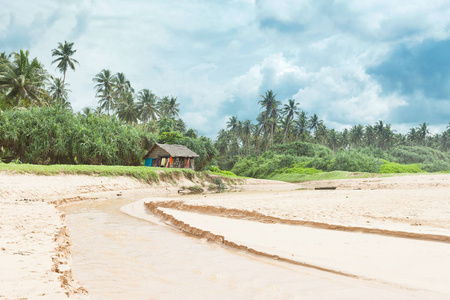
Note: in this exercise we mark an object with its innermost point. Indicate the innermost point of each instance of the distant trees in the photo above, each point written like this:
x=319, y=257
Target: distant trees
x=275, y=126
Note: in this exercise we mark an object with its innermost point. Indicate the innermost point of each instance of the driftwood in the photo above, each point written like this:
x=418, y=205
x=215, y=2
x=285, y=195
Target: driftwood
x=326, y=188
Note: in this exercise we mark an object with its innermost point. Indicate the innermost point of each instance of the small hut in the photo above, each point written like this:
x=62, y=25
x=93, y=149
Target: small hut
x=170, y=156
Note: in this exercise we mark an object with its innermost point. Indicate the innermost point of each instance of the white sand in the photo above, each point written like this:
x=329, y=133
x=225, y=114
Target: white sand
x=411, y=263
x=397, y=205
x=418, y=204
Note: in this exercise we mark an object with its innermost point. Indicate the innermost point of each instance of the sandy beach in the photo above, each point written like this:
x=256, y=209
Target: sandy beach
x=386, y=236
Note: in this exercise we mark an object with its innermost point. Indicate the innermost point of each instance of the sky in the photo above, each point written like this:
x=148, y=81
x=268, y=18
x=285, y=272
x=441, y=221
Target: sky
x=348, y=61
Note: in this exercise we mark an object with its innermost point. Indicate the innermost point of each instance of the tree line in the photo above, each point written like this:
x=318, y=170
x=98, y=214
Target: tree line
x=280, y=124
x=24, y=82
x=29, y=93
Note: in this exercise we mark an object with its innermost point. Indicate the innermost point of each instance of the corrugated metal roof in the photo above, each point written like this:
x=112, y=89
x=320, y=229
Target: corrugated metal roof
x=174, y=150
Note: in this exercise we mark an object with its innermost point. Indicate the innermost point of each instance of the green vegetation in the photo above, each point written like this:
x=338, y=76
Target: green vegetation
x=216, y=171
x=285, y=142
x=50, y=135
x=218, y=186
x=38, y=126
x=144, y=174
x=293, y=177
x=299, y=160
x=390, y=167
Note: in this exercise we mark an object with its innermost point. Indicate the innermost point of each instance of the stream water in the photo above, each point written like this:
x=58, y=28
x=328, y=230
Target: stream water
x=116, y=256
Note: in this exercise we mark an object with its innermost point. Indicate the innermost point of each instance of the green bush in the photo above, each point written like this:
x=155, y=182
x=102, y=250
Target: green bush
x=390, y=167
x=262, y=166
x=297, y=169
x=216, y=170
x=355, y=161
x=302, y=149
x=436, y=166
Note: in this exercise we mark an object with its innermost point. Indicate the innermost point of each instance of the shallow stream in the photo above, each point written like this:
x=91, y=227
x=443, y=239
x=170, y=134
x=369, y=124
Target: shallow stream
x=116, y=256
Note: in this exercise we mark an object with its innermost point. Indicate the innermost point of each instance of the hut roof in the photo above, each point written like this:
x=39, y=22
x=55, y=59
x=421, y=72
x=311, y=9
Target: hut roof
x=172, y=150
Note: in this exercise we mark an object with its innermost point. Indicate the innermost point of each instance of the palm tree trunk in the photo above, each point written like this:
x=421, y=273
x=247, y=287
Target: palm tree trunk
x=18, y=99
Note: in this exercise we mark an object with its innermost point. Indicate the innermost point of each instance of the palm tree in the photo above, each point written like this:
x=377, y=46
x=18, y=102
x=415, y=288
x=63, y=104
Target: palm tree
x=333, y=139
x=302, y=125
x=356, y=135
x=169, y=107
x=87, y=111
x=369, y=135
x=64, y=58
x=314, y=122
x=173, y=107
x=233, y=123
x=104, y=89
x=4, y=58
x=422, y=132
x=379, y=130
x=127, y=110
x=222, y=142
x=321, y=133
x=147, y=106
x=22, y=79
x=246, y=131
x=413, y=136
x=270, y=105
x=388, y=136
x=289, y=110
x=121, y=86
x=58, y=91
x=180, y=126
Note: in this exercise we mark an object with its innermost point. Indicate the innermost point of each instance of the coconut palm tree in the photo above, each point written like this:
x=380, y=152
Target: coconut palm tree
x=147, y=106
x=369, y=135
x=127, y=110
x=59, y=91
x=246, y=132
x=64, y=58
x=302, y=125
x=168, y=107
x=173, y=107
x=22, y=79
x=356, y=135
x=423, y=132
x=180, y=126
x=289, y=110
x=333, y=139
x=105, y=88
x=270, y=106
x=121, y=86
x=314, y=122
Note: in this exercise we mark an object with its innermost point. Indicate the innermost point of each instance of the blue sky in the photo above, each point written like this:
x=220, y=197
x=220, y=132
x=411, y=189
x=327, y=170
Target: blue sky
x=347, y=61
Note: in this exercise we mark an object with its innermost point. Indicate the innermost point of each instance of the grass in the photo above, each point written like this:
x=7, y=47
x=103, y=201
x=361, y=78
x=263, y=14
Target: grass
x=145, y=174
x=293, y=177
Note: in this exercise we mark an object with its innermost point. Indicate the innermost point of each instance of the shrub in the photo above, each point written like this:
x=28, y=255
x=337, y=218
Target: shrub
x=436, y=166
x=354, y=161
x=390, y=167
